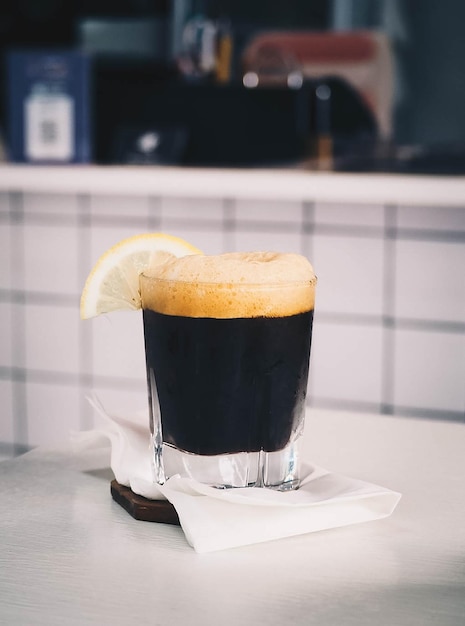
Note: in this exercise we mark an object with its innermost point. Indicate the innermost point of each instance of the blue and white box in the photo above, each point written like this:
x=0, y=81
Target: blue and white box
x=49, y=107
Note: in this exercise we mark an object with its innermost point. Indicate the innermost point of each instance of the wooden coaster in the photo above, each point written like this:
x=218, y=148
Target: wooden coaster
x=141, y=508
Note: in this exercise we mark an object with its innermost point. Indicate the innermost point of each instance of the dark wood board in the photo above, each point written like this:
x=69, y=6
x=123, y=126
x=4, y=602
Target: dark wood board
x=141, y=508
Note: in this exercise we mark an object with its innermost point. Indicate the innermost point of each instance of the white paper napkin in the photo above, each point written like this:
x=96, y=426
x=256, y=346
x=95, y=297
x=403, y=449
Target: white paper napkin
x=214, y=519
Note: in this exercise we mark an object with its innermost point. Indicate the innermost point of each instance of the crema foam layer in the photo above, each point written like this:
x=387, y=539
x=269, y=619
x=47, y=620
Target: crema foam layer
x=248, y=284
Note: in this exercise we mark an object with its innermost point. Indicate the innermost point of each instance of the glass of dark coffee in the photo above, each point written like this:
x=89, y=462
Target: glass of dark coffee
x=227, y=343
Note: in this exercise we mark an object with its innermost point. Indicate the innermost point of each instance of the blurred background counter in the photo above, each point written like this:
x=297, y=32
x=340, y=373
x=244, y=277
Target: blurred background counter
x=261, y=183
x=388, y=251
x=332, y=84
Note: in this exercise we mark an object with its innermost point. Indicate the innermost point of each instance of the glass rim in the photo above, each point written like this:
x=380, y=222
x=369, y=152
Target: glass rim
x=288, y=283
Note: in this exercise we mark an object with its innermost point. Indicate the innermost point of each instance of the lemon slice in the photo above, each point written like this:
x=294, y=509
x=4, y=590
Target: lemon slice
x=113, y=283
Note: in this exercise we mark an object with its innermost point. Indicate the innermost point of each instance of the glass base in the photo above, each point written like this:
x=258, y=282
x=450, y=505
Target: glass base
x=274, y=470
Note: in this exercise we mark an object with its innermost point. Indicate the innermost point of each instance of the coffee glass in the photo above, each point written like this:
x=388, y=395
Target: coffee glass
x=227, y=369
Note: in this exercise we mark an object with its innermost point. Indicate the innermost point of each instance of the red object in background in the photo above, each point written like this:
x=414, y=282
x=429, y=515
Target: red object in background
x=363, y=58
x=314, y=47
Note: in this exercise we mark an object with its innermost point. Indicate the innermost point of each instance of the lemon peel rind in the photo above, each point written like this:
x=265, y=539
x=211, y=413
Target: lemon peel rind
x=95, y=301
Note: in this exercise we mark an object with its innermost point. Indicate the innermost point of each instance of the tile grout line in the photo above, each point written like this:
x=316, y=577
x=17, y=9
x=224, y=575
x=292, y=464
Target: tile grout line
x=67, y=379
x=413, y=412
x=85, y=367
x=154, y=212
x=307, y=227
x=67, y=301
x=18, y=322
x=60, y=379
x=322, y=228
x=228, y=225
x=388, y=324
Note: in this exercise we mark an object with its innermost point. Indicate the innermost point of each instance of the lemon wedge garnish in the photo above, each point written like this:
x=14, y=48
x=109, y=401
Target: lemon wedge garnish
x=113, y=283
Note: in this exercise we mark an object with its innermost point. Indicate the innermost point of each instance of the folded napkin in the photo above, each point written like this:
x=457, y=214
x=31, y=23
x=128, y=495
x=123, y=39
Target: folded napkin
x=215, y=519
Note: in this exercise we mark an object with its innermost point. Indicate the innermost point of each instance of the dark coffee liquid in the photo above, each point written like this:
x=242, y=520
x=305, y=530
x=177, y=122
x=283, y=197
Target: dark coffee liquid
x=229, y=385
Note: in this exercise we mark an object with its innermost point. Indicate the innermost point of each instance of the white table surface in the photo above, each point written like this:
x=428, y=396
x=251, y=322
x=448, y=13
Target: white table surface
x=70, y=555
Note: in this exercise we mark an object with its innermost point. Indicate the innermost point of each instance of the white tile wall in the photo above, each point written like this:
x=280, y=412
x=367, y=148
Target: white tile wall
x=122, y=400
x=209, y=241
x=103, y=237
x=58, y=205
x=350, y=274
x=197, y=220
x=5, y=253
x=50, y=359
x=268, y=212
x=430, y=280
x=349, y=215
x=56, y=413
x=52, y=338
x=50, y=258
x=346, y=363
x=111, y=206
x=429, y=370
x=4, y=203
x=21, y=416
x=6, y=353
x=431, y=218
x=207, y=209
x=6, y=412
x=118, y=345
x=16, y=260
x=279, y=241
